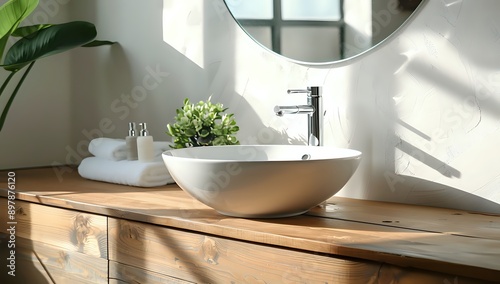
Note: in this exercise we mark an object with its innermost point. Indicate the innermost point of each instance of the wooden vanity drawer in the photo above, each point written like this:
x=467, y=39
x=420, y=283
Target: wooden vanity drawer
x=37, y=262
x=63, y=246
x=67, y=229
x=206, y=259
x=120, y=273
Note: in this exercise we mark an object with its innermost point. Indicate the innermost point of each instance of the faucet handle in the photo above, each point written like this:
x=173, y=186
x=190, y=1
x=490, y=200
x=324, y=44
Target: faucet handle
x=299, y=91
x=310, y=91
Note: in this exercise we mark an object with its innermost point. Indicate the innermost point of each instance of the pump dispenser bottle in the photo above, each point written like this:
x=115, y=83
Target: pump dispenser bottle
x=145, y=148
x=131, y=142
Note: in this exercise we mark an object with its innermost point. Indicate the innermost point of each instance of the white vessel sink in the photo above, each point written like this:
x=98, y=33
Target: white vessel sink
x=261, y=181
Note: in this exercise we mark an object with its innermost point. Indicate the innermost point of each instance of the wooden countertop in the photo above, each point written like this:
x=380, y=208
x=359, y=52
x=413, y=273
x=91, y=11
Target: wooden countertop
x=450, y=241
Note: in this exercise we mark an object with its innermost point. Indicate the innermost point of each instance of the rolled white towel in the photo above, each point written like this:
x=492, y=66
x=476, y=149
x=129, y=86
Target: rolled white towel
x=132, y=173
x=109, y=148
x=116, y=149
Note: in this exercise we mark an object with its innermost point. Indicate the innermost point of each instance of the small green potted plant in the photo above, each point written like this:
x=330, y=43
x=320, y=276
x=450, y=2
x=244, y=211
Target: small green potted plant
x=203, y=124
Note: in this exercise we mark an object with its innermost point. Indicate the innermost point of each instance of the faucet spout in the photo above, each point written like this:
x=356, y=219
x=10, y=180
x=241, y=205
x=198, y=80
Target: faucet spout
x=282, y=110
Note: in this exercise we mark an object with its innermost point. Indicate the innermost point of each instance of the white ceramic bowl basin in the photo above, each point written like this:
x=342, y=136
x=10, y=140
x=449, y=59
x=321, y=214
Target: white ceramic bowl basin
x=261, y=181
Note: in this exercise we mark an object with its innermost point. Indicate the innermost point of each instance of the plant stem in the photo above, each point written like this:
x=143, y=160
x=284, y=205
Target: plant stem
x=14, y=93
x=6, y=82
x=194, y=141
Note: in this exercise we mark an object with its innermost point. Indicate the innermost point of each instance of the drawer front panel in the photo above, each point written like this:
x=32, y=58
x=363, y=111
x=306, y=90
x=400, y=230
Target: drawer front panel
x=206, y=259
x=67, y=229
x=37, y=262
x=122, y=273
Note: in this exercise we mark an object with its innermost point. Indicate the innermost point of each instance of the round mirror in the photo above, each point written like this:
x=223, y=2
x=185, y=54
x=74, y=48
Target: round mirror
x=319, y=31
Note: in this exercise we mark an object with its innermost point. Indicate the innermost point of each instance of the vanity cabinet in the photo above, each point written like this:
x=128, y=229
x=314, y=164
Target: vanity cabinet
x=104, y=233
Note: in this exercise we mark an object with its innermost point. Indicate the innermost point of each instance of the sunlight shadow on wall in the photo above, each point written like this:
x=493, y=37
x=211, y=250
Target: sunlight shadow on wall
x=446, y=119
x=187, y=38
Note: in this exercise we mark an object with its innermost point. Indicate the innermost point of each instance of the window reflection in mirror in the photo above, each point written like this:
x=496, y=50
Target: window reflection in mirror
x=320, y=30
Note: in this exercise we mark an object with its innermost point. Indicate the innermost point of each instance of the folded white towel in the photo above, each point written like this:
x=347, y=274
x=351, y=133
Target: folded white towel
x=116, y=149
x=125, y=172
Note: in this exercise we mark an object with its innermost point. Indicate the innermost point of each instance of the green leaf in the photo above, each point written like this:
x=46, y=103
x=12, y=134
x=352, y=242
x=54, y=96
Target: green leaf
x=98, y=43
x=204, y=133
x=170, y=130
x=12, y=13
x=28, y=30
x=190, y=132
x=52, y=40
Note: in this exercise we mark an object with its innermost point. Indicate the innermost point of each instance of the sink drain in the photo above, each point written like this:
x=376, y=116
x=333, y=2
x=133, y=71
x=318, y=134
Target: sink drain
x=306, y=157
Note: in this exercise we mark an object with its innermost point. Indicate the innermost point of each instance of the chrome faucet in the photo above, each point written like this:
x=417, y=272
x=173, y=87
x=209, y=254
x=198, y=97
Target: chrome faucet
x=313, y=109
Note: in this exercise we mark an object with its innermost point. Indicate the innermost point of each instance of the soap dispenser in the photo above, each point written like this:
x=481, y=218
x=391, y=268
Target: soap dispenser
x=145, y=151
x=131, y=142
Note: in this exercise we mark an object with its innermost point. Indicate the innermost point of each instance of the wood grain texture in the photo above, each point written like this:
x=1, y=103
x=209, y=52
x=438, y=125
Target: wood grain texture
x=208, y=259
x=403, y=275
x=442, y=240
x=28, y=269
x=68, y=229
x=120, y=273
x=153, y=254
x=419, y=218
x=42, y=263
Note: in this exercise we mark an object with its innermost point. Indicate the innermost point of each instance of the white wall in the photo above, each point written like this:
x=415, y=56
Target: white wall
x=423, y=107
